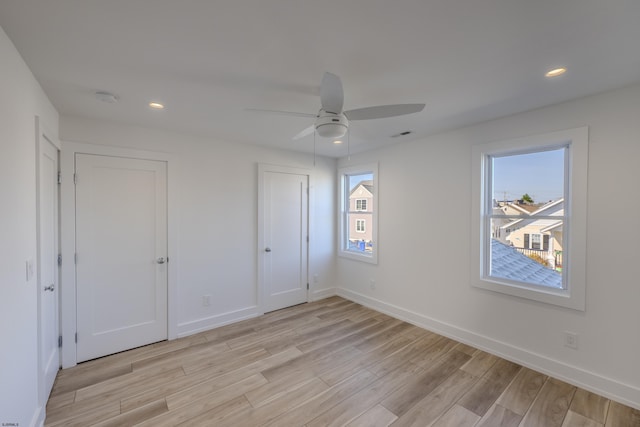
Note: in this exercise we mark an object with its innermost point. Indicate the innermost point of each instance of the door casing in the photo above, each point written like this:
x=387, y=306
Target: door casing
x=47, y=269
x=68, y=302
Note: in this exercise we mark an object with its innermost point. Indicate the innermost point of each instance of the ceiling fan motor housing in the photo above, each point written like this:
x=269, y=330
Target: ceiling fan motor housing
x=330, y=125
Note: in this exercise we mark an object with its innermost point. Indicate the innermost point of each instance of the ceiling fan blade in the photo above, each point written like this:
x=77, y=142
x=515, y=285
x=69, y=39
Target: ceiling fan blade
x=331, y=94
x=305, y=132
x=280, y=113
x=382, y=111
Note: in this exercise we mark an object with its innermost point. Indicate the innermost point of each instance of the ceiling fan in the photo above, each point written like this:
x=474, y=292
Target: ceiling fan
x=332, y=122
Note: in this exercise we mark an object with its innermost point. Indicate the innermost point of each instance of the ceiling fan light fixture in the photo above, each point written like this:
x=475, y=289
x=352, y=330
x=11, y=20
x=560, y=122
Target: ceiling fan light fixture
x=329, y=125
x=332, y=130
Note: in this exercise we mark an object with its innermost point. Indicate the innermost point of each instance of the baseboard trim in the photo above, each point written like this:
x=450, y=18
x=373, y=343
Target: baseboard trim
x=38, y=417
x=200, y=325
x=607, y=387
x=319, y=294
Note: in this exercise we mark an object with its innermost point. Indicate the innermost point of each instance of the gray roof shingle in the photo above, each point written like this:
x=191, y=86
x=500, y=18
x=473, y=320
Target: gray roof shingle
x=510, y=264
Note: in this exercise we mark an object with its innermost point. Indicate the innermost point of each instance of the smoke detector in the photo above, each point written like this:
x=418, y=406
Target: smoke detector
x=107, y=97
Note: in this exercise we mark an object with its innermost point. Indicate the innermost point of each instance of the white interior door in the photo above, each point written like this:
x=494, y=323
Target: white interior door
x=284, y=247
x=121, y=247
x=48, y=273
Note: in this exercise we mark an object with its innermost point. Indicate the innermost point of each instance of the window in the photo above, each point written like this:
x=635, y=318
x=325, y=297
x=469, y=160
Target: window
x=358, y=212
x=535, y=241
x=529, y=206
x=540, y=242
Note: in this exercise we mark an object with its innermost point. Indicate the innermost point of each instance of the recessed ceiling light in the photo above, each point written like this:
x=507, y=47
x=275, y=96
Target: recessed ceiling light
x=337, y=141
x=156, y=105
x=556, y=72
x=107, y=97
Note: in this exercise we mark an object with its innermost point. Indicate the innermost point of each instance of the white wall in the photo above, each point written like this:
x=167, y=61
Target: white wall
x=423, y=271
x=213, y=216
x=21, y=100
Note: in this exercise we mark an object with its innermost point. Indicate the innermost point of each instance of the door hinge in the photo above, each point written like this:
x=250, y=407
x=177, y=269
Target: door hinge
x=76, y=338
x=60, y=341
x=75, y=178
x=307, y=286
x=75, y=258
x=59, y=177
x=59, y=260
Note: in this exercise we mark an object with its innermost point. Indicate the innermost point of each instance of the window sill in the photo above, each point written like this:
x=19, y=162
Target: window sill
x=371, y=258
x=547, y=295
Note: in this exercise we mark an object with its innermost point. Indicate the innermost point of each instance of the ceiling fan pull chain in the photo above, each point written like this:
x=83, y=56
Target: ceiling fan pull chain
x=348, y=144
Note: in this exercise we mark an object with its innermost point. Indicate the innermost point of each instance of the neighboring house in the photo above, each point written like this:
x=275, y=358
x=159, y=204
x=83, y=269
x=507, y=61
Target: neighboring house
x=507, y=262
x=537, y=236
x=507, y=208
x=361, y=215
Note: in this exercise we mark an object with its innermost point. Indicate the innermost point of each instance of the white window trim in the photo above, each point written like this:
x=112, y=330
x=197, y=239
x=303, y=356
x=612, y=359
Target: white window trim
x=343, y=210
x=575, y=205
x=361, y=209
x=363, y=228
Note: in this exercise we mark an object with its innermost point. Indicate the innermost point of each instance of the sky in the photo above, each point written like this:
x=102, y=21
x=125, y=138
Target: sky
x=357, y=179
x=541, y=175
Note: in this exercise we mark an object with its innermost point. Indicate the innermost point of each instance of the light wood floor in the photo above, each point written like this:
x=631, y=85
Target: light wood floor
x=331, y=362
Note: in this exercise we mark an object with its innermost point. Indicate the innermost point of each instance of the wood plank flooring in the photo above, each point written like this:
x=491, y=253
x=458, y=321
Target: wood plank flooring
x=326, y=363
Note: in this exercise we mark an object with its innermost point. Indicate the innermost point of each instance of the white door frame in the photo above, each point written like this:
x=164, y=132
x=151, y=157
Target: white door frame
x=43, y=135
x=262, y=168
x=68, y=219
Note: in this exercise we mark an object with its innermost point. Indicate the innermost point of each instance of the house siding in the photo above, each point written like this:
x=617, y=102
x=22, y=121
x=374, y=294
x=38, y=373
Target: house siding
x=360, y=193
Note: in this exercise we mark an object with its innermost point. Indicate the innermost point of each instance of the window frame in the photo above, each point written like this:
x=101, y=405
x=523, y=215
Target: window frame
x=343, y=213
x=575, y=225
x=362, y=202
x=361, y=229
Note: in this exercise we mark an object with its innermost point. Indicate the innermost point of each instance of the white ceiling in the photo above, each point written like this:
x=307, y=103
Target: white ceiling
x=468, y=60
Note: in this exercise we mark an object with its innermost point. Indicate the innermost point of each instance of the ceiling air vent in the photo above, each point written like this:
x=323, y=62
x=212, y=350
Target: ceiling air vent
x=406, y=132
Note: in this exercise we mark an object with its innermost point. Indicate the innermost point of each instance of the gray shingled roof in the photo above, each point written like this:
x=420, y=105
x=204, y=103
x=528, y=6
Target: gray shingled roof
x=368, y=184
x=510, y=264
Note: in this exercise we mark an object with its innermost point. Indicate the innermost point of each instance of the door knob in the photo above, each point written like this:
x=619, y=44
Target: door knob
x=160, y=260
x=267, y=249
x=49, y=288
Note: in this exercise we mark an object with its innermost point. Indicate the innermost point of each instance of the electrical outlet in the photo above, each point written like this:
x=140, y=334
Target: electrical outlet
x=571, y=340
x=206, y=300
x=372, y=283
